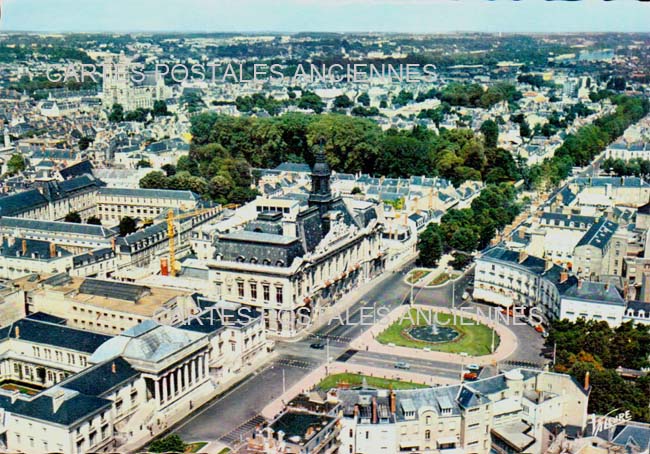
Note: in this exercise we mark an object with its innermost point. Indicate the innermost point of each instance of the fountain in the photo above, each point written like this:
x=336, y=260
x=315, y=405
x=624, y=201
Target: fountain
x=433, y=333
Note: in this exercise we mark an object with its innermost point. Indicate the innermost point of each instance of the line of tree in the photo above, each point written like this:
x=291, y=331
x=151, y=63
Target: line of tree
x=464, y=231
x=579, y=149
x=634, y=167
x=357, y=145
x=594, y=347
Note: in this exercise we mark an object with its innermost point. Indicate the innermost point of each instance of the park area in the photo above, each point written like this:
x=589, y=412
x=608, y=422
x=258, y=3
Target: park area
x=438, y=331
x=353, y=380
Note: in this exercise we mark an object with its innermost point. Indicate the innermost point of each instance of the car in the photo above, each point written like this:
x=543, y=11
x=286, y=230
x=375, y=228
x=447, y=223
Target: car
x=317, y=346
x=545, y=334
x=473, y=367
x=466, y=296
x=470, y=376
x=402, y=365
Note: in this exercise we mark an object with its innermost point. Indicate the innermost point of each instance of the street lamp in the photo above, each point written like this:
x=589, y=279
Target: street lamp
x=453, y=290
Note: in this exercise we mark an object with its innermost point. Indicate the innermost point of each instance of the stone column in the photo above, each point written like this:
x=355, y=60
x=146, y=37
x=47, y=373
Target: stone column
x=186, y=372
x=193, y=369
x=163, y=382
x=206, y=364
x=156, y=392
x=172, y=379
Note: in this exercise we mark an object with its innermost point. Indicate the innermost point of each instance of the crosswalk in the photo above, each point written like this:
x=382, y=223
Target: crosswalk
x=241, y=433
x=299, y=363
x=341, y=339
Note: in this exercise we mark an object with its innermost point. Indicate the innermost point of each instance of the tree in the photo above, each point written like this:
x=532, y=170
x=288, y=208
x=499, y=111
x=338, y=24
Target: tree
x=143, y=163
x=356, y=190
x=364, y=99
x=310, y=100
x=171, y=443
x=154, y=180
x=430, y=246
x=169, y=169
x=524, y=130
x=160, y=108
x=127, y=226
x=116, y=114
x=490, y=131
x=16, y=163
x=73, y=216
x=94, y=220
x=342, y=102
x=219, y=187
x=84, y=143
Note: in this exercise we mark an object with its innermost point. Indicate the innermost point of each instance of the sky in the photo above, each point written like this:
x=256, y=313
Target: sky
x=410, y=16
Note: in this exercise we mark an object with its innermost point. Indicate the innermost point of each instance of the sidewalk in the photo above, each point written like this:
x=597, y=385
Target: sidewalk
x=367, y=341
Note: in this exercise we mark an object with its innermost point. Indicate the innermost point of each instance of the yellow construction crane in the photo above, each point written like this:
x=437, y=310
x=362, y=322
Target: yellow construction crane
x=174, y=267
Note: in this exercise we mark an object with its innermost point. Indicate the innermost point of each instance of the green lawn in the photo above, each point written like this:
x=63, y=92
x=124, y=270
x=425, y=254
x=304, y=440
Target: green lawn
x=332, y=381
x=416, y=275
x=475, y=339
x=225, y=451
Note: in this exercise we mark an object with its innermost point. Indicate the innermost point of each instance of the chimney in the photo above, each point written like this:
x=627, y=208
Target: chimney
x=113, y=244
x=587, y=381
x=11, y=241
x=57, y=399
x=563, y=277
x=392, y=398
x=17, y=332
x=548, y=265
x=579, y=283
x=52, y=250
x=607, y=286
x=113, y=368
x=522, y=256
x=374, y=410
x=356, y=410
x=14, y=396
x=24, y=247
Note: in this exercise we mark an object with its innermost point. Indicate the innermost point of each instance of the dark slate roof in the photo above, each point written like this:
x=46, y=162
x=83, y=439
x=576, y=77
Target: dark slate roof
x=53, y=334
x=21, y=202
x=41, y=408
x=637, y=307
x=34, y=249
x=599, y=234
x=636, y=435
x=144, y=193
x=113, y=289
x=56, y=226
x=100, y=379
x=598, y=292
x=43, y=317
x=645, y=209
x=534, y=265
x=77, y=170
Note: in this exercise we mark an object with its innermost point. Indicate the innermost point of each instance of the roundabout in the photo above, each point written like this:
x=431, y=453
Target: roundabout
x=426, y=329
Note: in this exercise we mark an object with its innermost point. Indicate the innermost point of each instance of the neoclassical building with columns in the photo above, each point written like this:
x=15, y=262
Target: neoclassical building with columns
x=68, y=390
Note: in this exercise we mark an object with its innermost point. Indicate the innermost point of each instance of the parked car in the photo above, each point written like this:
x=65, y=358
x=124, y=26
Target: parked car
x=466, y=296
x=470, y=376
x=473, y=367
x=402, y=365
x=317, y=345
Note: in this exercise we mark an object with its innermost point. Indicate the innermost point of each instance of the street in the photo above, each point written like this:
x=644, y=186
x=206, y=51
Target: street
x=235, y=414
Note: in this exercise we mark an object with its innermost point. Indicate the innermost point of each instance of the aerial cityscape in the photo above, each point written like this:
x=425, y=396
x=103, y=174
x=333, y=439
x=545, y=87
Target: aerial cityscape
x=310, y=227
